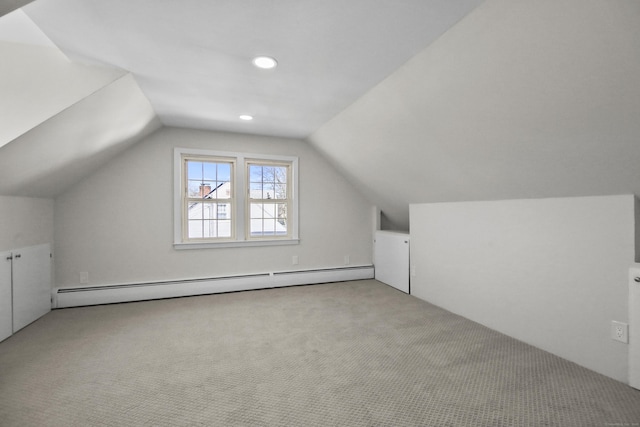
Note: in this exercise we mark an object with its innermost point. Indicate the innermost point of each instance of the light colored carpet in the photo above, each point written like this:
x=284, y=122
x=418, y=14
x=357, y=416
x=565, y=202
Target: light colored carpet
x=341, y=354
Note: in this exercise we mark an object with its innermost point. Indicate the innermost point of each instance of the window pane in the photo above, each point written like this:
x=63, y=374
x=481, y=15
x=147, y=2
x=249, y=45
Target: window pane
x=281, y=191
x=256, y=210
x=209, y=171
x=268, y=191
x=205, y=190
x=269, y=210
x=203, y=210
x=210, y=180
x=268, y=173
x=280, y=174
x=269, y=227
x=255, y=190
x=224, y=172
x=194, y=170
x=222, y=190
x=195, y=229
x=256, y=227
x=208, y=211
x=222, y=211
x=282, y=213
x=255, y=173
x=194, y=189
x=194, y=211
x=224, y=228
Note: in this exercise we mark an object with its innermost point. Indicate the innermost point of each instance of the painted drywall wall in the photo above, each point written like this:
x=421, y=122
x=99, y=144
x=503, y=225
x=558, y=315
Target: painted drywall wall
x=25, y=221
x=549, y=272
x=117, y=225
x=520, y=99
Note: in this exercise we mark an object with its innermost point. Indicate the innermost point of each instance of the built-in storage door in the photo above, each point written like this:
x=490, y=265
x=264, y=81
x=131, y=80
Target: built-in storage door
x=634, y=327
x=6, y=317
x=392, y=259
x=31, y=284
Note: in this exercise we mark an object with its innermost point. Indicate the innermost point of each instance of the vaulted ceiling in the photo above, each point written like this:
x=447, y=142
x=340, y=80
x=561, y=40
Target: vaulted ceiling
x=145, y=64
x=192, y=58
x=415, y=101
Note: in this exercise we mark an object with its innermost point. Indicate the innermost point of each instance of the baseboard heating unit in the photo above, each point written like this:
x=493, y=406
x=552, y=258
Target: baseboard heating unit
x=108, y=294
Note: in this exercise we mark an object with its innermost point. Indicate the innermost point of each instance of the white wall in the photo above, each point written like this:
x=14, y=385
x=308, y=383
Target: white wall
x=25, y=222
x=549, y=272
x=117, y=225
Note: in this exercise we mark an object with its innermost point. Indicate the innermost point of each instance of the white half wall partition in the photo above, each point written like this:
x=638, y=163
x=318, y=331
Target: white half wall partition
x=550, y=272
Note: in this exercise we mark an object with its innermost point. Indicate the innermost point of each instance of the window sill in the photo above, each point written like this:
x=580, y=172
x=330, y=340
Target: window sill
x=235, y=244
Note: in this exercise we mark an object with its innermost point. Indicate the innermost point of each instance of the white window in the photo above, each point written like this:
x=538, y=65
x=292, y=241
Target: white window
x=207, y=192
x=269, y=200
x=234, y=199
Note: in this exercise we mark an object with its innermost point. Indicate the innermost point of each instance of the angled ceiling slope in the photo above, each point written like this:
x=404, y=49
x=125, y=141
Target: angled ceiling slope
x=36, y=80
x=64, y=149
x=521, y=99
x=192, y=58
x=8, y=6
x=60, y=119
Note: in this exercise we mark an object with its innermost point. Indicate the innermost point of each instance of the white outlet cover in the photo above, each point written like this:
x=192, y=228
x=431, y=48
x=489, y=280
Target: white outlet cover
x=620, y=331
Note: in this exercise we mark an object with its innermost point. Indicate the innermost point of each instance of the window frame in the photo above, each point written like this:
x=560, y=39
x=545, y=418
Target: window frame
x=240, y=197
x=186, y=200
x=274, y=201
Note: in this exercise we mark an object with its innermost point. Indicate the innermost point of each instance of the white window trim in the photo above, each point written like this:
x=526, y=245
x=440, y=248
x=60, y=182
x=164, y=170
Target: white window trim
x=268, y=162
x=240, y=196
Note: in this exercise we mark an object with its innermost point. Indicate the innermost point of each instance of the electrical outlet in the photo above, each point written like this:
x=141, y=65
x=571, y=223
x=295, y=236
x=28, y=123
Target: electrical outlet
x=620, y=331
x=294, y=260
x=84, y=277
x=413, y=271
x=347, y=260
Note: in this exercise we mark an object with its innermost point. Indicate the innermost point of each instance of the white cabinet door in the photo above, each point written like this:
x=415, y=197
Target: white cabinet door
x=31, y=284
x=6, y=317
x=391, y=259
x=634, y=327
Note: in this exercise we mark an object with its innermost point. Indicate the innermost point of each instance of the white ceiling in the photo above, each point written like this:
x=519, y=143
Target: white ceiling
x=192, y=58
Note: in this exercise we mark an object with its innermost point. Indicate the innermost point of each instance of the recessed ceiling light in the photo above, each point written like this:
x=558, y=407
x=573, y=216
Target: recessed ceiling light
x=264, y=62
x=246, y=117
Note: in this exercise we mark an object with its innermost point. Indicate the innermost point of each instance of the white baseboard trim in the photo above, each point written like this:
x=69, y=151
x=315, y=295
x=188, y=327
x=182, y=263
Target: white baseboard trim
x=108, y=294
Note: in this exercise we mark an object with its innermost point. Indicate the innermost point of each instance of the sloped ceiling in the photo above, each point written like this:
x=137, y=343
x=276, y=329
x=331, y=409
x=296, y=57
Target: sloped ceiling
x=59, y=119
x=192, y=58
x=69, y=146
x=188, y=63
x=7, y=6
x=38, y=82
x=521, y=99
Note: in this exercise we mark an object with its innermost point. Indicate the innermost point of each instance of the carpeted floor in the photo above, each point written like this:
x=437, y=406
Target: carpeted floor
x=341, y=354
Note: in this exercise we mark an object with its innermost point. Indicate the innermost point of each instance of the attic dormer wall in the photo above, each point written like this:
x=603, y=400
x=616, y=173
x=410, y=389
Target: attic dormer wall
x=112, y=227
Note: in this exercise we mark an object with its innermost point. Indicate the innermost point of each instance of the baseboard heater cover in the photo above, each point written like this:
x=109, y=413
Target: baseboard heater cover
x=108, y=294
